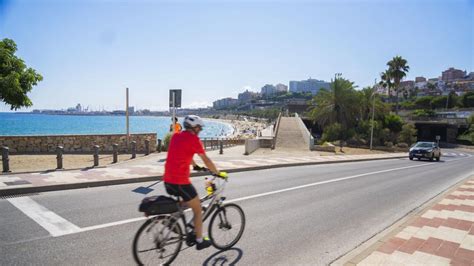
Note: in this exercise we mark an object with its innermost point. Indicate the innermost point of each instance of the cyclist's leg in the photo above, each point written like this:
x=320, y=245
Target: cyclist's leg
x=191, y=199
x=195, y=205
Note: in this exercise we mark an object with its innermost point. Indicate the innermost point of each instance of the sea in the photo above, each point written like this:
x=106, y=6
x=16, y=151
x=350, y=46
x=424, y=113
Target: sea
x=25, y=124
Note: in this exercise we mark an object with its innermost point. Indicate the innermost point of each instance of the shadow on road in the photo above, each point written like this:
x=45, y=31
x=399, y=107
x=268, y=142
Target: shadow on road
x=145, y=190
x=224, y=257
x=428, y=161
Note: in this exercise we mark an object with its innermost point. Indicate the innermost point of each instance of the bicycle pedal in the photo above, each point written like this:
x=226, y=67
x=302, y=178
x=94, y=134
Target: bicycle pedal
x=190, y=239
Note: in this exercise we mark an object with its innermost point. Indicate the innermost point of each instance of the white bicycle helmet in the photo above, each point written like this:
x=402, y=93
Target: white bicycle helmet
x=191, y=121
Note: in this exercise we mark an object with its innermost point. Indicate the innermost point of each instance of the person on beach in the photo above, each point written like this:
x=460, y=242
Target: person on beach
x=183, y=145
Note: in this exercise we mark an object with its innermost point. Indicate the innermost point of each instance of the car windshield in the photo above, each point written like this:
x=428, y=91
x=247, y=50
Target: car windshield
x=424, y=145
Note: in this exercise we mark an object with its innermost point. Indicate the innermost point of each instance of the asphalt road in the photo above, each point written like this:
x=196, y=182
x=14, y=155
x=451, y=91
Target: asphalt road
x=315, y=215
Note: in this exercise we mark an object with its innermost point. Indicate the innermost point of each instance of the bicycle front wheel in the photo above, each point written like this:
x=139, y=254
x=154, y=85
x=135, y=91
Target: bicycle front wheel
x=158, y=241
x=227, y=226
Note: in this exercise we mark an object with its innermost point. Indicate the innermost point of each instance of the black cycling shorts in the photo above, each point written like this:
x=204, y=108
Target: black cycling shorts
x=187, y=192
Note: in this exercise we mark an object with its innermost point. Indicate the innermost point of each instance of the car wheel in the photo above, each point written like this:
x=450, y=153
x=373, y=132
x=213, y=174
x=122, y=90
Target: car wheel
x=411, y=158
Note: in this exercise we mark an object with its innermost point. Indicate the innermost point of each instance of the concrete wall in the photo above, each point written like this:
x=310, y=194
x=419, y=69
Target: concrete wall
x=306, y=134
x=252, y=145
x=75, y=143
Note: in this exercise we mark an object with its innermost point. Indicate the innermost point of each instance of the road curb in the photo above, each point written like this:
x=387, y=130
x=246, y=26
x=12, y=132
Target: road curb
x=362, y=251
x=49, y=188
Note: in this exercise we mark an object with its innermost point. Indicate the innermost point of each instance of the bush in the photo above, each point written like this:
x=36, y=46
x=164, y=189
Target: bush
x=468, y=136
x=388, y=144
x=356, y=141
x=408, y=105
x=393, y=122
x=386, y=136
x=166, y=141
x=424, y=113
x=402, y=145
x=423, y=102
x=467, y=99
x=333, y=132
x=364, y=127
x=408, y=134
x=439, y=102
x=336, y=132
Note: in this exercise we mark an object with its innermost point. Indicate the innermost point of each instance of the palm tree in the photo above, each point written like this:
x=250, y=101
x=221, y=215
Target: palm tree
x=398, y=70
x=336, y=105
x=386, y=82
x=366, y=98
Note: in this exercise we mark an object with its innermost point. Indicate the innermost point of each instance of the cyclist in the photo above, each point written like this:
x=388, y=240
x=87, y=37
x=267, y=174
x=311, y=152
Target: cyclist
x=182, y=147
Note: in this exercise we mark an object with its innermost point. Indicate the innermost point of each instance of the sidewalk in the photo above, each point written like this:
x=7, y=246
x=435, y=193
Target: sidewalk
x=151, y=168
x=442, y=235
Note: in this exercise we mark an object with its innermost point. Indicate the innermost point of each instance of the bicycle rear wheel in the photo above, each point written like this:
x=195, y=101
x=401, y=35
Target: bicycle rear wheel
x=227, y=226
x=158, y=241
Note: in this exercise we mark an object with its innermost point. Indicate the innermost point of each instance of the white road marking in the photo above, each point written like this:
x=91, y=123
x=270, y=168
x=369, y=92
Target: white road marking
x=100, y=226
x=53, y=223
x=323, y=182
x=58, y=226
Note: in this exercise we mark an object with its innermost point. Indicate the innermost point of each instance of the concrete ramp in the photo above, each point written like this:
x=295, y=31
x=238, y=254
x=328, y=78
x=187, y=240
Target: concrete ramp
x=291, y=135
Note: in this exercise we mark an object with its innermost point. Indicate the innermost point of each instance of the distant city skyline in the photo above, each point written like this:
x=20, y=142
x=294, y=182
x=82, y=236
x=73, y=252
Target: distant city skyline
x=89, y=52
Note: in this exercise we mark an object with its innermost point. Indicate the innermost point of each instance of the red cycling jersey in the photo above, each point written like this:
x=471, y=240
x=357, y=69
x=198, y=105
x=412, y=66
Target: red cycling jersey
x=182, y=147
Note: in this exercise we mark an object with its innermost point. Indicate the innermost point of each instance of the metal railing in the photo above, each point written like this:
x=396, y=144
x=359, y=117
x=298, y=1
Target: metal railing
x=451, y=121
x=215, y=143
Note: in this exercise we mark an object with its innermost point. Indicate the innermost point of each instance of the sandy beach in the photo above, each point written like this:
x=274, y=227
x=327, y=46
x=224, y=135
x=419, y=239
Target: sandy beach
x=243, y=129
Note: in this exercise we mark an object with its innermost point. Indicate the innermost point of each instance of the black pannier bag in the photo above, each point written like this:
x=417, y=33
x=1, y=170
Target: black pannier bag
x=158, y=205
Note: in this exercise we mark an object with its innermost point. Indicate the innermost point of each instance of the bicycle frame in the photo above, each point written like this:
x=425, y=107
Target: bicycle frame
x=215, y=201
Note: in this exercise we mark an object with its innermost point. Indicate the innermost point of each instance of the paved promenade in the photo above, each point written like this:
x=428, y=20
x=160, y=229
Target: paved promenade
x=151, y=167
x=443, y=234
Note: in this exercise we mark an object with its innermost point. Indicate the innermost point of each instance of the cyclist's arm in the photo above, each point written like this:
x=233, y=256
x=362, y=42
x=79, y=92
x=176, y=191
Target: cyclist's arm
x=208, y=163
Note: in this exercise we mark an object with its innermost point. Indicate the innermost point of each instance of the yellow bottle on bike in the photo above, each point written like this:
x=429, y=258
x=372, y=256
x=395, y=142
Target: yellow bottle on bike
x=210, y=186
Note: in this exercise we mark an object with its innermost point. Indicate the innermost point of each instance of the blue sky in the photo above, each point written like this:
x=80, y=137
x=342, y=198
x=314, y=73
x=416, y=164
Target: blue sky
x=89, y=51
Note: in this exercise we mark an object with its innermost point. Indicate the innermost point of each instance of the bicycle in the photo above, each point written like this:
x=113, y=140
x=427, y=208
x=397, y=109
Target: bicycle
x=164, y=231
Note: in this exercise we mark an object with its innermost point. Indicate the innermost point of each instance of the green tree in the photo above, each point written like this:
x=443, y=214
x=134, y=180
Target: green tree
x=16, y=79
x=467, y=99
x=408, y=134
x=336, y=105
x=453, y=100
x=365, y=102
x=398, y=69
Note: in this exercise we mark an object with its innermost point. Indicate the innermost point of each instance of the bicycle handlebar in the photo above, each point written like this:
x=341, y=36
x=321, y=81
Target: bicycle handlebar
x=222, y=175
